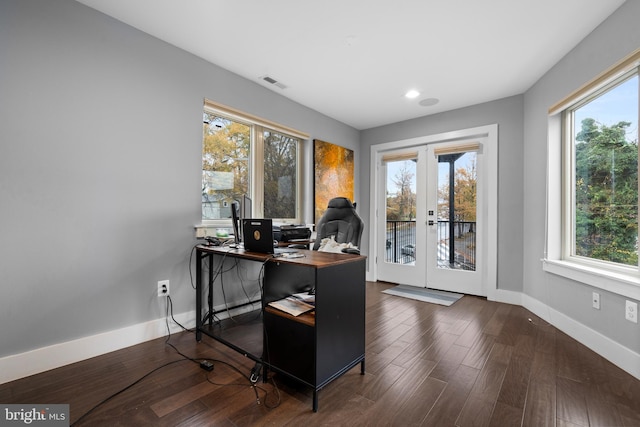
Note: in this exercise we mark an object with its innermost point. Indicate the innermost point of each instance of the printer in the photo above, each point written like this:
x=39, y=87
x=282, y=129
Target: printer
x=287, y=233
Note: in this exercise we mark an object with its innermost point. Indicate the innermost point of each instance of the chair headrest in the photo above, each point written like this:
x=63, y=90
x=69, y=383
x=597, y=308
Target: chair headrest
x=340, y=202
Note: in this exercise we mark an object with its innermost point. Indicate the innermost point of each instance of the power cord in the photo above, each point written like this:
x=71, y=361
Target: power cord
x=184, y=359
x=219, y=273
x=265, y=344
x=206, y=364
x=242, y=282
x=254, y=376
x=125, y=389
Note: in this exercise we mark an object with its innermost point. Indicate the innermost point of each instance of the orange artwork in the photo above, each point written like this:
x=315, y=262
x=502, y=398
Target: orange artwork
x=334, y=174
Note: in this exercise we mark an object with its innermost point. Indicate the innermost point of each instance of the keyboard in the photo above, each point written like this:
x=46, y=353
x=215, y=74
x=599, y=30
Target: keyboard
x=285, y=250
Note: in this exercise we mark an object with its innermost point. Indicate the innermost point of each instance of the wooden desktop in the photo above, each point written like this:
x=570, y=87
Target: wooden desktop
x=313, y=348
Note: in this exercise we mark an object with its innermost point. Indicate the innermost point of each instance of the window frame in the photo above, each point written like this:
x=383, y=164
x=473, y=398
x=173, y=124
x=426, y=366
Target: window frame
x=559, y=239
x=256, y=163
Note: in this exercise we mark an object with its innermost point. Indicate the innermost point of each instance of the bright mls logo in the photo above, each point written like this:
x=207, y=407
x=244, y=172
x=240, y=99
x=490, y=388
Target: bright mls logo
x=39, y=415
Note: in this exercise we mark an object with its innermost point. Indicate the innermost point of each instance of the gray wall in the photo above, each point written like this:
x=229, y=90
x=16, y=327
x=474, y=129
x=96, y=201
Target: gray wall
x=508, y=114
x=618, y=36
x=100, y=151
x=100, y=168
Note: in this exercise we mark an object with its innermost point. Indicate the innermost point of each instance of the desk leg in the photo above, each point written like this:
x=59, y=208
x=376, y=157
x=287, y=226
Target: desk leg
x=315, y=400
x=362, y=367
x=210, y=297
x=198, y=295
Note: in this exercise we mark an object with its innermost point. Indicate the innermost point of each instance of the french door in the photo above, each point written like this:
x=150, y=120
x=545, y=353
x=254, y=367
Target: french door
x=433, y=225
x=456, y=228
x=401, y=220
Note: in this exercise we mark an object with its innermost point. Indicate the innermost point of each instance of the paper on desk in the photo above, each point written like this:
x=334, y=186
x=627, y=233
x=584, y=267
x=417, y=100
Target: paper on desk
x=292, y=305
x=306, y=297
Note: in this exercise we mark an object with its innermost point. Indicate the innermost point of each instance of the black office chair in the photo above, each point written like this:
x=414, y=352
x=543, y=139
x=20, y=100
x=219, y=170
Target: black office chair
x=341, y=221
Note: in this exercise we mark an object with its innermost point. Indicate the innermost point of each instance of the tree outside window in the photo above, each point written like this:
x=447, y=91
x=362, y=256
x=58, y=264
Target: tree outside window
x=230, y=150
x=606, y=176
x=280, y=171
x=226, y=150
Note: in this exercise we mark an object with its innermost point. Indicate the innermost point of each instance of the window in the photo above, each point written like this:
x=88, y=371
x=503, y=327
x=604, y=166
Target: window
x=226, y=150
x=603, y=142
x=244, y=155
x=280, y=172
x=592, y=218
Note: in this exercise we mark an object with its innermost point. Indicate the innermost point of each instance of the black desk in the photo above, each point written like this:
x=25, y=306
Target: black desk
x=314, y=349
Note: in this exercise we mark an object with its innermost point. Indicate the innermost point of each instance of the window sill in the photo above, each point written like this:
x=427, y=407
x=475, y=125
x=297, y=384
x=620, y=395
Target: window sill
x=210, y=230
x=627, y=285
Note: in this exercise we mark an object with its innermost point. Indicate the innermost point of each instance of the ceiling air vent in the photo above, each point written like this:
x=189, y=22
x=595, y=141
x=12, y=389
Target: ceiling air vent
x=273, y=81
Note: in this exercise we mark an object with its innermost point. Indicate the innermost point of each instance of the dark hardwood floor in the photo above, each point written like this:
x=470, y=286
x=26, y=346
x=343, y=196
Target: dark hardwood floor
x=476, y=363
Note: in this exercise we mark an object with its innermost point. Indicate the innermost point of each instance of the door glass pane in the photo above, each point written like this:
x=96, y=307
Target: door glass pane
x=225, y=165
x=401, y=212
x=457, y=211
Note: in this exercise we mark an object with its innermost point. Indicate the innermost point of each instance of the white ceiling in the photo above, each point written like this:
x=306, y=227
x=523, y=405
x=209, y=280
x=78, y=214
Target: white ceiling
x=353, y=60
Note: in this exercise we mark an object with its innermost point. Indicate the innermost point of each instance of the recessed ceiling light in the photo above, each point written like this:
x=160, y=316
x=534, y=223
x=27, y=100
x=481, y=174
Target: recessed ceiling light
x=427, y=102
x=412, y=94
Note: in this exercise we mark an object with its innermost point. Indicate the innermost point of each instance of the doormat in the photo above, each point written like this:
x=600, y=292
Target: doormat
x=424, y=294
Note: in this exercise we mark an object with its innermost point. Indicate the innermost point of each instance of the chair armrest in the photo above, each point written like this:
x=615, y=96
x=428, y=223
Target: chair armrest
x=351, y=251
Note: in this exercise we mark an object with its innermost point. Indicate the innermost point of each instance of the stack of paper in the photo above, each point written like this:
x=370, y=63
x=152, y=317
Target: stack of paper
x=309, y=298
x=292, y=305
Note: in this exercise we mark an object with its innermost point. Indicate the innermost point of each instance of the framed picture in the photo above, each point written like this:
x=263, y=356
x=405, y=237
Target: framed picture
x=333, y=176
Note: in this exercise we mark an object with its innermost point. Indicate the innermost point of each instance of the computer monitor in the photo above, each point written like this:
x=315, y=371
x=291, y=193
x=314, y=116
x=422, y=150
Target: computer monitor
x=235, y=219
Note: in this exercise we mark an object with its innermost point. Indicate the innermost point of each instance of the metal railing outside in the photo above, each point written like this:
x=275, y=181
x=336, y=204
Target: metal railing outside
x=462, y=255
x=401, y=244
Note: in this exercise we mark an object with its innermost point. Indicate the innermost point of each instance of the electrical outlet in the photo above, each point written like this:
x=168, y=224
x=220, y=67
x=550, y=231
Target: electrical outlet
x=163, y=288
x=631, y=311
x=595, y=300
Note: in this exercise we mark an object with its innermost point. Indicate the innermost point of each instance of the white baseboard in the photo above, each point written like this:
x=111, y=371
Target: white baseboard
x=43, y=359
x=54, y=356
x=617, y=354
x=508, y=297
